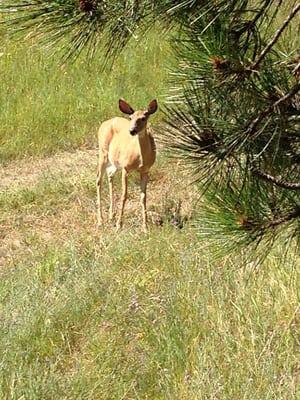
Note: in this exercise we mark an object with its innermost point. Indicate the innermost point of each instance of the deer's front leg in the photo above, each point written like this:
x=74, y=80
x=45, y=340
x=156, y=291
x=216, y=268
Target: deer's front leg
x=144, y=181
x=123, y=198
x=101, y=168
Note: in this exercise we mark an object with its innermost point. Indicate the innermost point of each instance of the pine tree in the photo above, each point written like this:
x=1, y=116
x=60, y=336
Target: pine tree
x=234, y=115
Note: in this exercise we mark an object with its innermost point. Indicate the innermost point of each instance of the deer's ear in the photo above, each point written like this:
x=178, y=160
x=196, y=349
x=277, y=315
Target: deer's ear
x=125, y=107
x=152, y=107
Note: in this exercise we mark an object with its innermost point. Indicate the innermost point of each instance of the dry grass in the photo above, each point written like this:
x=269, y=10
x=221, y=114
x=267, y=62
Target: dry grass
x=28, y=172
x=49, y=200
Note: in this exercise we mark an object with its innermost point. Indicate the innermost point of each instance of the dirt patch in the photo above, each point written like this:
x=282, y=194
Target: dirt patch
x=29, y=171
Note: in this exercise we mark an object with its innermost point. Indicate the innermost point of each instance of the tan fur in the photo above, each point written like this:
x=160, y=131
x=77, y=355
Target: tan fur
x=126, y=145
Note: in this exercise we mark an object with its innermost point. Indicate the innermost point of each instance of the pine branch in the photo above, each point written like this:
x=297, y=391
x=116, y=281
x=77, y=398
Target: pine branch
x=284, y=219
x=258, y=229
x=278, y=182
x=262, y=11
x=296, y=70
x=275, y=38
x=252, y=126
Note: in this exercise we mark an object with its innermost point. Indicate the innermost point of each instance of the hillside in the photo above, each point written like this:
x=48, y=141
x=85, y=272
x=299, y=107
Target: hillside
x=95, y=315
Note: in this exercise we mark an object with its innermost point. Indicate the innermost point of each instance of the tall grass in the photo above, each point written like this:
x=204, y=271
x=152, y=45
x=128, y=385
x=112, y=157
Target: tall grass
x=147, y=317
x=46, y=106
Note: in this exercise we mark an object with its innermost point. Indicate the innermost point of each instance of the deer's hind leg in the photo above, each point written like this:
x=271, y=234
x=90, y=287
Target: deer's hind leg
x=144, y=181
x=111, y=170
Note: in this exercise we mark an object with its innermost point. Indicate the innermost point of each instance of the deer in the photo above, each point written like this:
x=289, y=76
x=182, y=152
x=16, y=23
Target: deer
x=126, y=145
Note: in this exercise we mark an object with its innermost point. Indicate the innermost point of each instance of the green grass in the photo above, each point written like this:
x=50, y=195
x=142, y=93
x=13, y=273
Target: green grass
x=46, y=107
x=114, y=322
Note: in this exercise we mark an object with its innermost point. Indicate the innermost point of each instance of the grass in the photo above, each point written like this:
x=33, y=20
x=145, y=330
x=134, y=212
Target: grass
x=94, y=315
x=61, y=200
x=112, y=322
x=46, y=107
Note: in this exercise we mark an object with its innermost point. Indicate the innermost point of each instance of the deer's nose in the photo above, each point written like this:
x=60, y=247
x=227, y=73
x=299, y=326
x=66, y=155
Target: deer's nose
x=133, y=131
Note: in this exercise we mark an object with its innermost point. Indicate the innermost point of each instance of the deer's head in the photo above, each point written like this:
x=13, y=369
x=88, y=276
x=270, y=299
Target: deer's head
x=138, y=119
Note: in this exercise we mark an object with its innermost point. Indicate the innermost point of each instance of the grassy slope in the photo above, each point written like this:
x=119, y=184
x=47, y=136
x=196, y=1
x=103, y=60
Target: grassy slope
x=45, y=107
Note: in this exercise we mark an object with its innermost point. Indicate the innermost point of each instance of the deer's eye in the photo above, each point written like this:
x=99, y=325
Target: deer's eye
x=143, y=118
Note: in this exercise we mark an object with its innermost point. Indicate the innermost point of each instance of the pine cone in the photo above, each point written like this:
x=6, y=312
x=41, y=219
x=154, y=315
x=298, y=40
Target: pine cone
x=220, y=64
x=87, y=6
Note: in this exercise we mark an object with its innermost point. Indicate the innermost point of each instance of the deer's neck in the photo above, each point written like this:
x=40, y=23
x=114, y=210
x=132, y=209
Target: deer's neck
x=143, y=139
x=146, y=148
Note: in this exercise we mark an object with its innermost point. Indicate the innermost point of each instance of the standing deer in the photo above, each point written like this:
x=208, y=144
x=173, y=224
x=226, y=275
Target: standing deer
x=125, y=144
